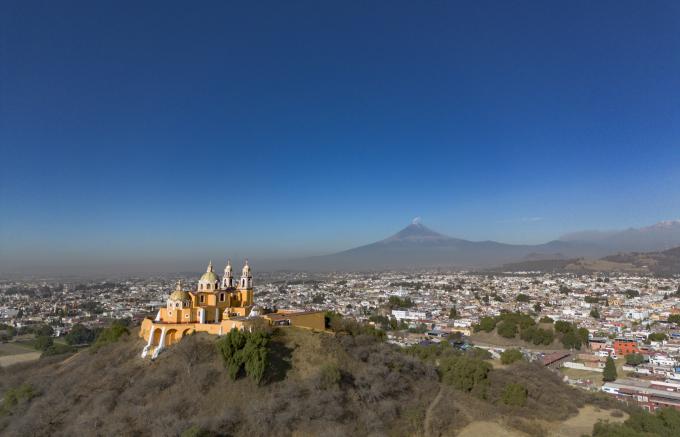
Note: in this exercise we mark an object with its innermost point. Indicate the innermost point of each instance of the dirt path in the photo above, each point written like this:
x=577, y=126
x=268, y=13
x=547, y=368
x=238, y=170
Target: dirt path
x=428, y=414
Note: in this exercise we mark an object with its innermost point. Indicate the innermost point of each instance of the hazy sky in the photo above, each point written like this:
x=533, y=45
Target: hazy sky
x=189, y=130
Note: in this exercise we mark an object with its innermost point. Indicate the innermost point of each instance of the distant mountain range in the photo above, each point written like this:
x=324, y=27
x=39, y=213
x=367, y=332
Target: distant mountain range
x=417, y=246
x=666, y=262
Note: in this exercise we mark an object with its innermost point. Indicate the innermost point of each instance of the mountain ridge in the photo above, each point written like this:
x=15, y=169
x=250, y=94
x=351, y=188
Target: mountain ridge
x=417, y=246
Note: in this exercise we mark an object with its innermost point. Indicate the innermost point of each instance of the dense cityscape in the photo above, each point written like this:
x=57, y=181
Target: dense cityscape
x=624, y=316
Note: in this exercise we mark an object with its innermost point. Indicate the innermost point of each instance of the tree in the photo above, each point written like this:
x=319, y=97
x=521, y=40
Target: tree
x=522, y=298
x=656, y=336
x=537, y=307
x=507, y=329
x=509, y=356
x=594, y=313
x=546, y=319
x=80, y=334
x=634, y=359
x=486, y=324
x=675, y=318
x=453, y=313
x=563, y=327
x=515, y=395
x=571, y=340
x=247, y=351
x=43, y=342
x=464, y=373
x=609, y=373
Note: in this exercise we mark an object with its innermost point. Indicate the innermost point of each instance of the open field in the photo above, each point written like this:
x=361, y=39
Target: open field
x=14, y=348
x=583, y=422
x=488, y=429
x=17, y=352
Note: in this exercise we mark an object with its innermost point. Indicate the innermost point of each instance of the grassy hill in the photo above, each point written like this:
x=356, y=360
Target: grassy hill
x=377, y=389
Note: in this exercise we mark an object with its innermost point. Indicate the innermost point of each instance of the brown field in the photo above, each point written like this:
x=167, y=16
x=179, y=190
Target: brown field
x=14, y=348
x=583, y=422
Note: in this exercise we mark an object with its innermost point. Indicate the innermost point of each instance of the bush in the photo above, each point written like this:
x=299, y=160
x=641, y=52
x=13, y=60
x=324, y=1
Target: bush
x=664, y=423
x=563, y=327
x=515, y=395
x=465, y=373
x=57, y=349
x=509, y=356
x=546, y=319
x=247, y=351
x=479, y=353
x=14, y=396
x=110, y=335
x=522, y=298
x=329, y=376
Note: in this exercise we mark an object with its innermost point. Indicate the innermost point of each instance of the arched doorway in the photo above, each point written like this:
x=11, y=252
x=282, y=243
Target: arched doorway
x=171, y=337
x=156, y=337
x=186, y=332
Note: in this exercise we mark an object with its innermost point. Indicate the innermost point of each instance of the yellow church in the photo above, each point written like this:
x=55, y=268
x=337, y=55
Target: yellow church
x=216, y=306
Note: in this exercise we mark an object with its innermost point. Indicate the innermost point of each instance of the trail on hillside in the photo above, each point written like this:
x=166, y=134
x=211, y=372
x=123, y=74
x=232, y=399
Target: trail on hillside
x=429, y=412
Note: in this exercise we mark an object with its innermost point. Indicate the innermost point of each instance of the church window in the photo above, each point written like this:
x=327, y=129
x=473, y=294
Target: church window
x=186, y=316
x=177, y=304
x=208, y=286
x=202, y=298
x=221, y=297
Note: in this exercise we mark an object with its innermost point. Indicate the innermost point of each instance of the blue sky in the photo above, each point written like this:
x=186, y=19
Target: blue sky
x=171, y=130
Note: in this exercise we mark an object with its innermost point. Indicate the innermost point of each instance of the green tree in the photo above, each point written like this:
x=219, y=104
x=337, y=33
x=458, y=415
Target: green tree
x=465, y=373
x=675, y=318
x=510, y=356
x=656, y=336
x=486, y=324
x=515, y=395
x=634, y=359
x=43, y=342
x=522, y=298
x=507, y=329
x=594, y=313
x=609, y=373
x=453, y=313
x=546, y=319
x=80, y=334
x=571, y=340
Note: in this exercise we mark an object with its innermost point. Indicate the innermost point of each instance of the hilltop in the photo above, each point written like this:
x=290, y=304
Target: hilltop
x=371, y=388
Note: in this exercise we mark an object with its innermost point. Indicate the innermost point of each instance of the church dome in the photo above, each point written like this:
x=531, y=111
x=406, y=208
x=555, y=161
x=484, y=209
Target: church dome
x=179, y=294
x=209, y=277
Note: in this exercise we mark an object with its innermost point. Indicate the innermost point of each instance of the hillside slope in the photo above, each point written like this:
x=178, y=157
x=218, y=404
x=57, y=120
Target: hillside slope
x=381, y=391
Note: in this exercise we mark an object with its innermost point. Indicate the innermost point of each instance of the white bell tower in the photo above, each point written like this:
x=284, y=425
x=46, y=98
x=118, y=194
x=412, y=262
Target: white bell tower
x=228, y=278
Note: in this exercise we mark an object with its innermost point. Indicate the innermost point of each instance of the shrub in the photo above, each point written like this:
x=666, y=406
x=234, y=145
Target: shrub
x=465, y=373
x=522, y=298
x=509, y=356
x=15, y=396
x=546, y=319
x=110, y=335
x=329, y=376
x=515, y=395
